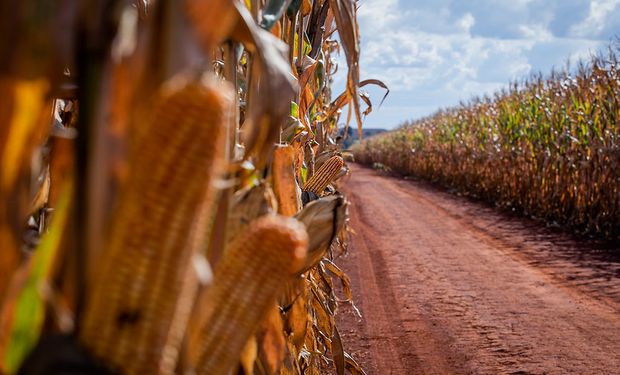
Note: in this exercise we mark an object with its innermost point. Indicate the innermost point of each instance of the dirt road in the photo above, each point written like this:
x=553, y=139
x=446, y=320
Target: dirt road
x=450, y=286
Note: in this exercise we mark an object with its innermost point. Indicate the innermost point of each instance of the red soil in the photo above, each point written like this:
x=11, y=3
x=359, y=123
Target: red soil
x=450, y=286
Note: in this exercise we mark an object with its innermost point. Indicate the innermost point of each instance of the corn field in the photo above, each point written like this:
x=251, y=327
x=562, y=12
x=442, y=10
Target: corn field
x=548, y=146
x=168, y=185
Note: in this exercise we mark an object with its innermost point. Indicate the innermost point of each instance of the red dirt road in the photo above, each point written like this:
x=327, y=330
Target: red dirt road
x=449, y=286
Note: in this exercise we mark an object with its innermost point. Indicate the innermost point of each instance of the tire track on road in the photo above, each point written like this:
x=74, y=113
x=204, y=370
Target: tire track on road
x=441, y=296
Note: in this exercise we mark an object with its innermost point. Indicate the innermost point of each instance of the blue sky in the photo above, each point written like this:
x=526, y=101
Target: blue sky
x=434, y=53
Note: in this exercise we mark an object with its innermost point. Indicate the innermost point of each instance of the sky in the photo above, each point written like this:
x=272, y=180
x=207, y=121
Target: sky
x=436, y=53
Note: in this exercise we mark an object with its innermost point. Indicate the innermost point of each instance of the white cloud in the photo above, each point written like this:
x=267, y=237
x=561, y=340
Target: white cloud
x=379, y=14
x=537, y=32
x=593, y=25
x=467, y=22
x=410, y=59
x=436, y=53
x=519, y=4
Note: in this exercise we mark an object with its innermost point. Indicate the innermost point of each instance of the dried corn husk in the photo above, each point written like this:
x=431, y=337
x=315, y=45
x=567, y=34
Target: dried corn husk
x=324, y=219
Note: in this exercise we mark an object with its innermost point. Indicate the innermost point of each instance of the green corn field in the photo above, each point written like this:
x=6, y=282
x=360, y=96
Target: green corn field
x=547, y=146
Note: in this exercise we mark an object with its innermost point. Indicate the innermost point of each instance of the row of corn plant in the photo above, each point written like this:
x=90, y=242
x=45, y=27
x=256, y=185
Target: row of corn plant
x=547, y=146
x=168, y=195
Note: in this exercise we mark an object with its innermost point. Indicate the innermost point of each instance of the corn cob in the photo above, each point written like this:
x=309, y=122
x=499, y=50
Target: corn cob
x=253, y=271
x=141, y=296
x=323, y=157
x=324, y=175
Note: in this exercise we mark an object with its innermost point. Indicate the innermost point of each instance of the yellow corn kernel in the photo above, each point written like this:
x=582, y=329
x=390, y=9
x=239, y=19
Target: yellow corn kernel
x=253, y=271
x=324, y=175
x=140, y=298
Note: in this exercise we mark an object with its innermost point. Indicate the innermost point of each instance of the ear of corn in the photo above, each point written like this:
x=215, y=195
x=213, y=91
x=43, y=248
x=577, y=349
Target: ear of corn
x=141, y=297
x=140, y=290
x=324, y=175
x=247, y=280
x=323, y=157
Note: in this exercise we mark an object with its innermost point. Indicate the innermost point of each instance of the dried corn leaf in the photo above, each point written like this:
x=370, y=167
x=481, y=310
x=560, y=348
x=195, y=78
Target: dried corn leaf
x=247, y=205
x=26, y=124
x=295, y=308
x=273, y=83
x=293, y=128
x=316, y=26
x=342, y=276
x=26, y=128
x=345, y=15
x=248, y=356
x=338, y=352
x=306, y=7
x=271, y=342
x=352, y=366
x=344, y=99
x=284, y=181
x=269, y=108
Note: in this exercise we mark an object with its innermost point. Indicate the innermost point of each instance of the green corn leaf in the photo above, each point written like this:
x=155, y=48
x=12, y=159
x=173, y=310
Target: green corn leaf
x=29, y=309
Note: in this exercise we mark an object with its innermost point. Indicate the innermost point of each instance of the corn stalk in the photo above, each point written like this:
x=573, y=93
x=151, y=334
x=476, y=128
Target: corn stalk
x=169, y=135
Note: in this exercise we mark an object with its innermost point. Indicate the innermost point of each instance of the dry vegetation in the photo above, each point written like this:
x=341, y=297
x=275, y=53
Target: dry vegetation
x=167, y=185
x=548, y=146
